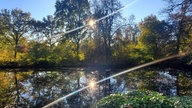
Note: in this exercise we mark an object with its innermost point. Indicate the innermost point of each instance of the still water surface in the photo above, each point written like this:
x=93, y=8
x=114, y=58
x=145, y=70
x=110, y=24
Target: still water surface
x=37, y=88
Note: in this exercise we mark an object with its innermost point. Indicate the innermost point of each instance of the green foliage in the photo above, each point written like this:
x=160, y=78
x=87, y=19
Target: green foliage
x=182, y=102
x=61, y=55
x=148, y=37
x=185, y=84
x=149, y=99
x=179, y=12
x=88, y=47
x=112, y=101
x=38, y=51
x=140, y=54
x=16, y=25
x=107, y=44
x=71, y=15
x=64, y=54
x=154, y=39
x=138, y=99
x=187, y=59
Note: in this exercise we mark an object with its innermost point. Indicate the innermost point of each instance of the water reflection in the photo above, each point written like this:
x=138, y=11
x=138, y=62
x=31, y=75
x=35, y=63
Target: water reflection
x=13, y=88
x=36, y=88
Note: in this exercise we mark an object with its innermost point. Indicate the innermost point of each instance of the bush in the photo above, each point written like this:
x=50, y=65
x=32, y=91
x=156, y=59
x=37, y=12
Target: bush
x=112, y=101
x=182, y=102
x=137, y=99
x=147, y=99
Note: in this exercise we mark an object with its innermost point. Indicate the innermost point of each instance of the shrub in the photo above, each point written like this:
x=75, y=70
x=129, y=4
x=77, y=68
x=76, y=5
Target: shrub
x=147, y=99
x=137, y=99
x=112, y=101
x=182, y=102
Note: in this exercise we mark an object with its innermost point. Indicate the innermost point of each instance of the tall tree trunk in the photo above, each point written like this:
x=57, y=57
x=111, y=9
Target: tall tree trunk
x=16, y=45
x=156, y=55
x=77, y=50
x=179, y=34
x=178, y=42
x=15, y=52
x=105, y=50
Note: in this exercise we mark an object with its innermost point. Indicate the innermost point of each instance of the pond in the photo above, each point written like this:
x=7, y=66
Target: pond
x=37, y=88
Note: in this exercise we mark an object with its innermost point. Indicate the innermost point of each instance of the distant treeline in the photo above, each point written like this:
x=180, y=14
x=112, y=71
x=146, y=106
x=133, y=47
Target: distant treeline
x=115, y=41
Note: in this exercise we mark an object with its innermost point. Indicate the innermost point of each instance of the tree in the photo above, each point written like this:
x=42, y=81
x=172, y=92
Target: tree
x=38, y=53
x=71, y=15
x=154, y=38
x=103, y=34
x=180, y=15
x=149, y=35
x=64, y=55
x=50, y=31
x=88, y=48
x=120, y=47
x=131, y=30
x=125, y=40
x=16, y=25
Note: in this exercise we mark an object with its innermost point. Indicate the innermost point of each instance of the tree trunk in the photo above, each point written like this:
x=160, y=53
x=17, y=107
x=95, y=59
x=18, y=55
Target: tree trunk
x=77, y=50
x=178, y=43
x=179, y=34
x=16, y=45
x=15, y=52
x=105, y=50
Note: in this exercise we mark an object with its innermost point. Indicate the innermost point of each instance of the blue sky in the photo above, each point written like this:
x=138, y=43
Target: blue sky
x=37, y=8
x=143, y=8
x=42, y=8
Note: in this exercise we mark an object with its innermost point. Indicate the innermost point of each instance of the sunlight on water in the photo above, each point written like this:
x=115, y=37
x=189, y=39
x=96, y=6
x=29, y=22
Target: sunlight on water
x=91, y=23
x=62, y=98
x=92, y=84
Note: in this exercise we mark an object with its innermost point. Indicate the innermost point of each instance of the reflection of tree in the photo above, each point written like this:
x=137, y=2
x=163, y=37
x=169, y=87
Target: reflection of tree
x=183, y=81
x=12, y=89
x=6, y=90
x=45, y=87
x=166, y=81
x=39, y=88
x=48, y=86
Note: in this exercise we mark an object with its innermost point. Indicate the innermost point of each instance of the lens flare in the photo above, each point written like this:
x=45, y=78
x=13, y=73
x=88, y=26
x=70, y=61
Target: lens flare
x=91, y=22
x=92, y=84
x=120, y=73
